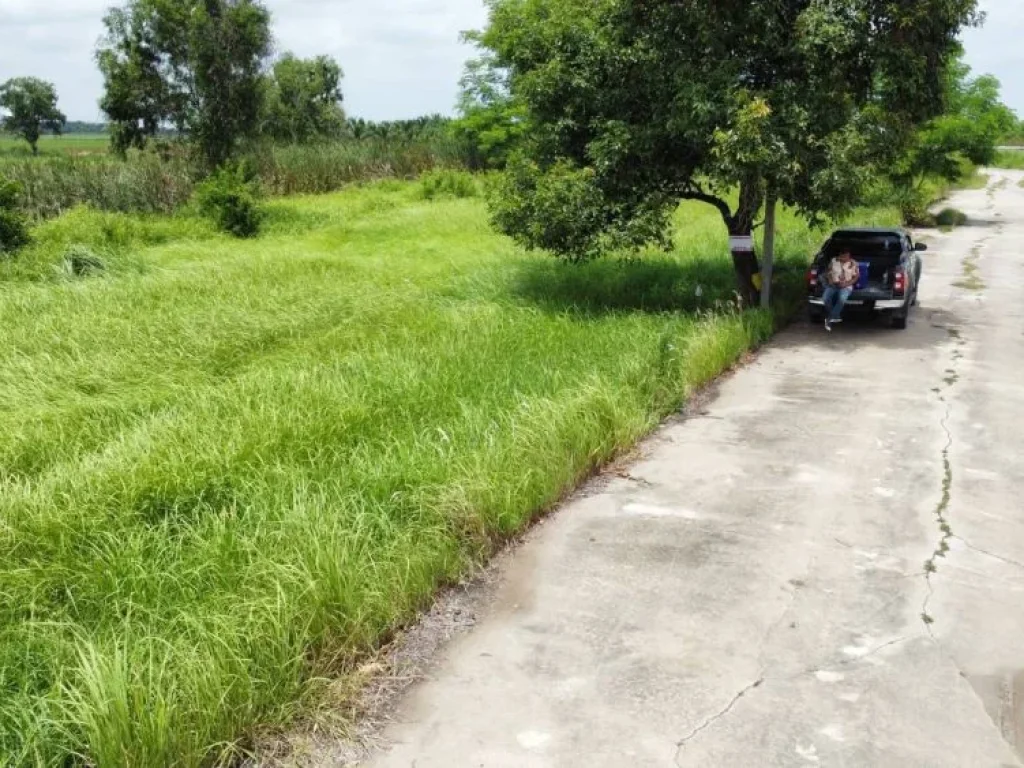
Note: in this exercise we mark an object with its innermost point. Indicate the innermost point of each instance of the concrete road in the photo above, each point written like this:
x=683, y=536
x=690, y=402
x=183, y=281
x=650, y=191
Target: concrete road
x=825, y=568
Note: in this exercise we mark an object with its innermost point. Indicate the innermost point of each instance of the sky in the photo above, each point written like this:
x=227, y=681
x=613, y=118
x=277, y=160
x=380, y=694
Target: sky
x=402, y=58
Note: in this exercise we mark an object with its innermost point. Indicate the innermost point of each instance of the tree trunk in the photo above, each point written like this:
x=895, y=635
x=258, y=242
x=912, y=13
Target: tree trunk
x=741, y=225
x=769, y=251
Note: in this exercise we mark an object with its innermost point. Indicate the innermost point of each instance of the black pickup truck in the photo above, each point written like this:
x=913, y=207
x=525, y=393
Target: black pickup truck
x=890, y=271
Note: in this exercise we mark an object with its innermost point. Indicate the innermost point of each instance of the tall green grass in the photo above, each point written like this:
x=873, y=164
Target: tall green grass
x=143, y=184
x=146, y=183
x=1012, y=159
x=230, y=468
x=291, y=170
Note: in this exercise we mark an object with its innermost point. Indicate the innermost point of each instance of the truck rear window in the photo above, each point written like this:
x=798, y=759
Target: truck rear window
x=880, y=251
x=867, y=246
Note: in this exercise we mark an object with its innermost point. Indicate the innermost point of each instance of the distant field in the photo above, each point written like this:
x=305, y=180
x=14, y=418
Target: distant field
x=70, y=144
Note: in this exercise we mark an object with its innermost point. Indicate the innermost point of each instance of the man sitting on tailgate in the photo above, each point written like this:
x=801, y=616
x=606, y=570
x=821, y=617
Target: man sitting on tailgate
x=842, y=275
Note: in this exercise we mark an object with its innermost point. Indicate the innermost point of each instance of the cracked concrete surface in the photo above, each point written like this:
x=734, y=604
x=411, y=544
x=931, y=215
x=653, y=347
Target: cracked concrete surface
x=751, y=592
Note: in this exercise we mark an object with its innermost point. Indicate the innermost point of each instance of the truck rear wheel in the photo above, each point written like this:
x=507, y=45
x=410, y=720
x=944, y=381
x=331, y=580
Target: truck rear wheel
x=899, y=320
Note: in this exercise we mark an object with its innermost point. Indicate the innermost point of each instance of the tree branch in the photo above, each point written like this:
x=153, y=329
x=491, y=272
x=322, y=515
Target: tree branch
x=704, y=197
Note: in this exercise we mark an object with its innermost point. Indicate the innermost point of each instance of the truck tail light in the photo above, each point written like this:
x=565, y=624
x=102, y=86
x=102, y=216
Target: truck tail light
x=812, y=279
x=899, y=281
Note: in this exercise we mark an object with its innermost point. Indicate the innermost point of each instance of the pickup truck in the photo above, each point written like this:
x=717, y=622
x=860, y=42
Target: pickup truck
x=890, y=271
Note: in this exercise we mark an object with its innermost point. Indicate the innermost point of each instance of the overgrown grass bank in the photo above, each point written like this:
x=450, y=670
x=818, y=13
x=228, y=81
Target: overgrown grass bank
x=227, y=468
x=57, y=181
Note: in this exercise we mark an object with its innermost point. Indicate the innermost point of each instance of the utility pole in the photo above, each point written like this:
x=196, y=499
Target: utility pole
x=769, y=250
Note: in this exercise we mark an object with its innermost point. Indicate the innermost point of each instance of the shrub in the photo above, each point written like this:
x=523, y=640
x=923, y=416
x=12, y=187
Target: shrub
x=230, y=198
x=13, y=227
x=447, y=183
x=950, y=217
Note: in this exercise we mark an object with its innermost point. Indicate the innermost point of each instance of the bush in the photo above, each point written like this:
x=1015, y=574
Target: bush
x=950, y=217
x=13, y=227
x=447, y=183
x=230, y=198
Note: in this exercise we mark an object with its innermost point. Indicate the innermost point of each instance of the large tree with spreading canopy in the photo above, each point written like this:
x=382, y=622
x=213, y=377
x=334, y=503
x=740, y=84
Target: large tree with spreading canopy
x=195, y=64
x=634, y=105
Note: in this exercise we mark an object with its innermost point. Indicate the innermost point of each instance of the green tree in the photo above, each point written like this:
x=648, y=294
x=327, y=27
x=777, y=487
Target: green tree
x=303, y=100
x=634, y=105
x=32, y=109
x=490, y=120
x=968, y=131
x=194, y=64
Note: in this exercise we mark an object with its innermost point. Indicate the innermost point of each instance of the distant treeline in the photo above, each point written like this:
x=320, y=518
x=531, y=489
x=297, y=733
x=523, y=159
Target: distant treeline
x=354, y=127
x=77, y=126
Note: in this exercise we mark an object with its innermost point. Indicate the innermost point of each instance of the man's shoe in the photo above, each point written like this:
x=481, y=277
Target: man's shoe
x=837, y=320
x=828, y=326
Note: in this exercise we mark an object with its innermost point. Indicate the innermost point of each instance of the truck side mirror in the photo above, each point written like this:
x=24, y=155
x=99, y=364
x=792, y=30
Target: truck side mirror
x=920, y=247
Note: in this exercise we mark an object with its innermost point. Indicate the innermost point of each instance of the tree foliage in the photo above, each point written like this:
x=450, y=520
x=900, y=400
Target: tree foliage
x=974, y=121
x=490, y=120
x=194, y=64
x=415, y=129
x=31, y=105
x=303, y=100
x=634, y=105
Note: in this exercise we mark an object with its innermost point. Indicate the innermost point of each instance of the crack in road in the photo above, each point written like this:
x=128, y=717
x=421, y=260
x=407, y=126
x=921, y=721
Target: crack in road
x=831, y=661
x=942, y=508
x=931, y=565
x=993, y=555
x=761, y=678
x=681, y=744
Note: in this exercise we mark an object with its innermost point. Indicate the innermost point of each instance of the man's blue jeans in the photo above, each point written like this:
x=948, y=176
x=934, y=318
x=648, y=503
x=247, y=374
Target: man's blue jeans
x=835, y=299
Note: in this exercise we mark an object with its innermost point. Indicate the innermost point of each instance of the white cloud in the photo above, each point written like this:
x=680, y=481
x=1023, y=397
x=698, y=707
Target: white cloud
x=402, y=58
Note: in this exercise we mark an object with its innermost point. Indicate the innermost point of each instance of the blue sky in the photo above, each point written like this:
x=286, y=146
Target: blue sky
x=402, y=58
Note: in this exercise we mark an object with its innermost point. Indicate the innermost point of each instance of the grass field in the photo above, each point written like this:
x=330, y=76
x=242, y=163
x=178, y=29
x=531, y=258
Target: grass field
x=230, y=469
x=70, y=144
x=1012, y=159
